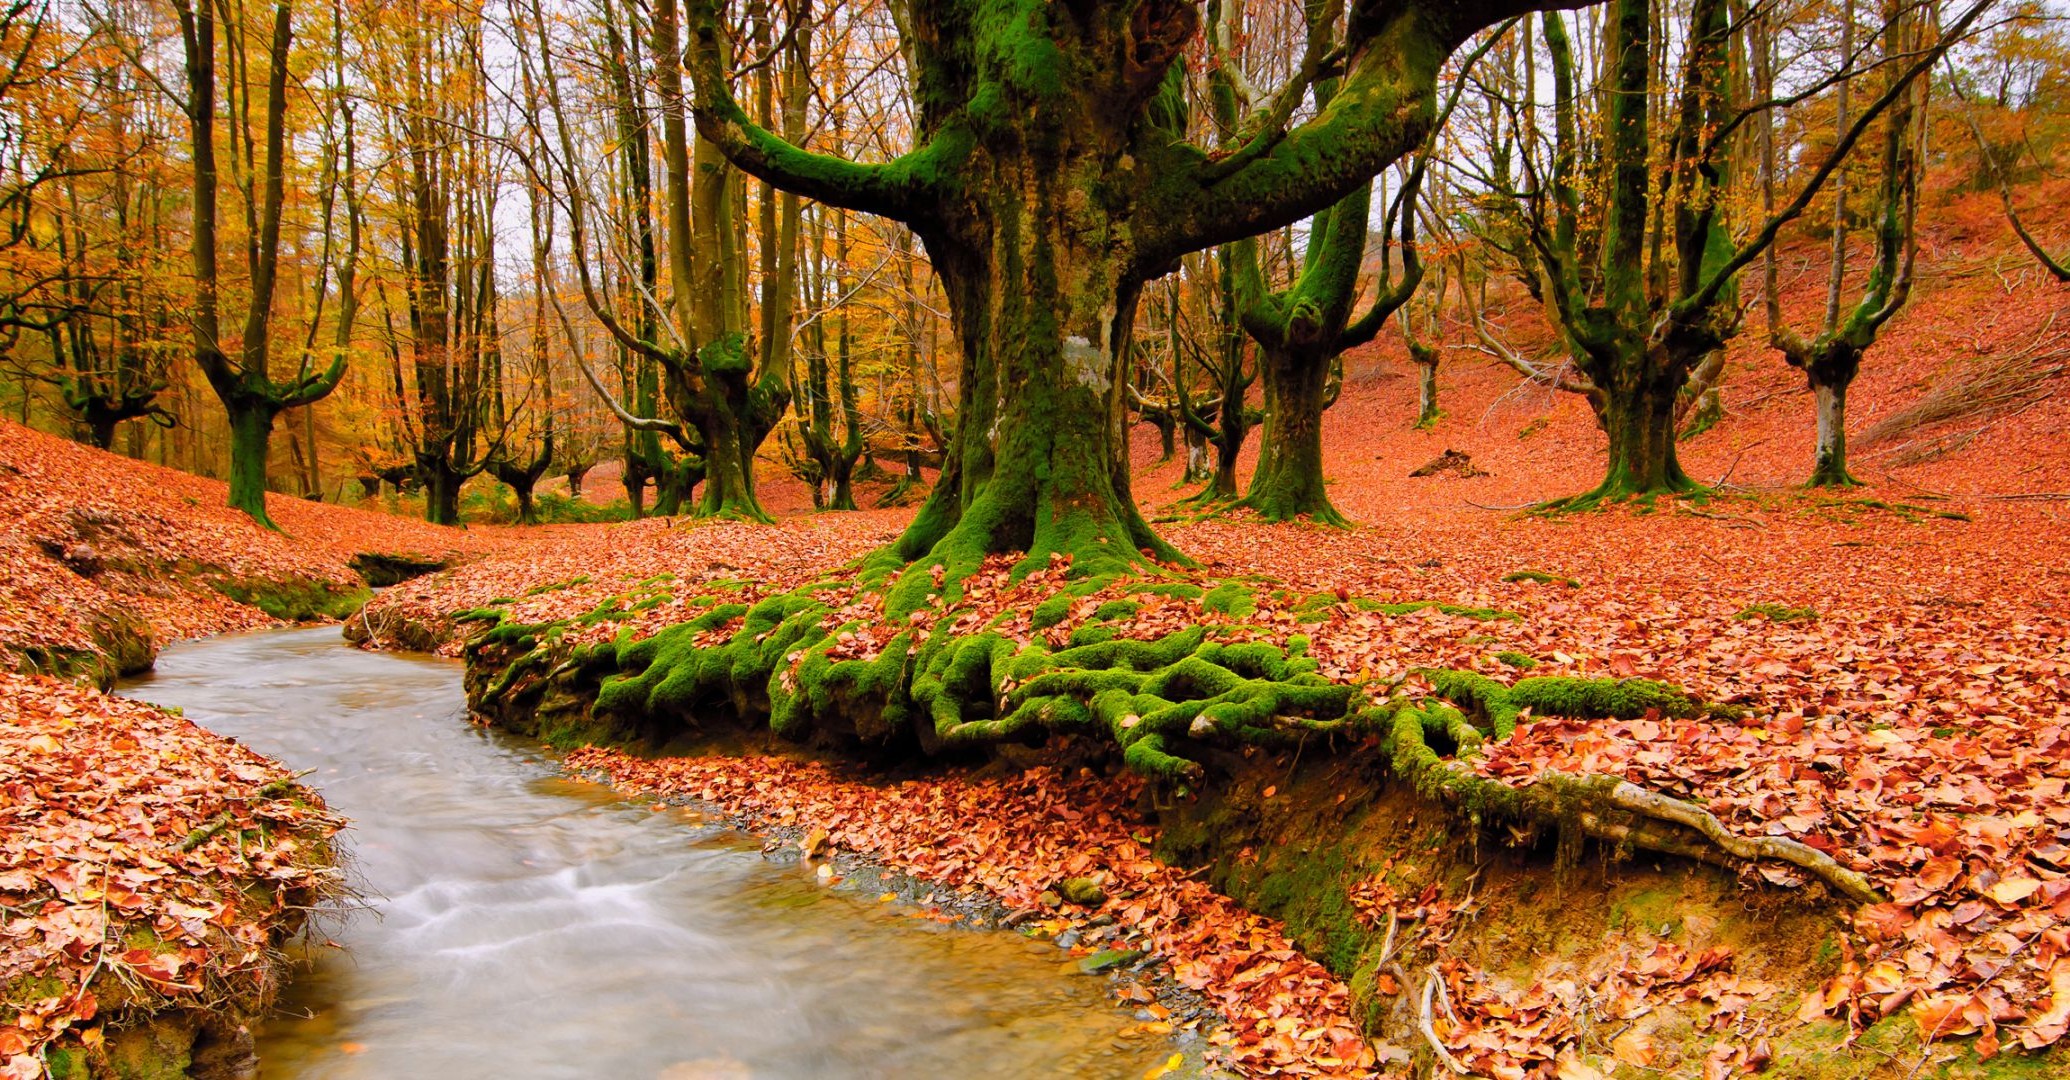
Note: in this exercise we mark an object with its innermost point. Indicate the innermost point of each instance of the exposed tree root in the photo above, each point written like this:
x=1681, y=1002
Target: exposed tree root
x=1606, y=808
x=813, y=669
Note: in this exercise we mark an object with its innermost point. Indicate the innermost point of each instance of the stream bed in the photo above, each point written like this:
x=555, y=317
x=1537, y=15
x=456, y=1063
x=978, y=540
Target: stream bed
x=520, y=924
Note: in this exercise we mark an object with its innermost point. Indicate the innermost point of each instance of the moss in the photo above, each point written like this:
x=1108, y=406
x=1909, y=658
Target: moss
x=67, y=1063
x=1414, y=606
x=1052, y=611
x=1520, y=661
x=1656, y=910
x=1540, y=577
x=298, y=600
x=1117, y=609
x=556, y=586
x=1232, y=598
x=1774, y=612
x=381, y=570
x=1911, y=512
x=1623, y=699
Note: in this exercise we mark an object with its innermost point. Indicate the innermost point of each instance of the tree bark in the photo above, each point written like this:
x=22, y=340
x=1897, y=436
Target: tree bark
x=1288, y=482
x=1640, y=421
x=441, y=490
x=1427, y=411
x=251, y=433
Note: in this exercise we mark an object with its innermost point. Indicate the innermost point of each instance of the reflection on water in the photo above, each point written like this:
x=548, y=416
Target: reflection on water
x=522, y=925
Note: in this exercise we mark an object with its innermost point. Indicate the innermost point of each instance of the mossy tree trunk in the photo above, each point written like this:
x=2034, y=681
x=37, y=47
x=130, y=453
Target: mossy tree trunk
x=1639, y=418
x=442, y=485
x=1426, y=359
x=1288, y=482
x=1052, y=179
x=1223, y=422
x=1303, y=329
x=251, y=437
x=1829, y=468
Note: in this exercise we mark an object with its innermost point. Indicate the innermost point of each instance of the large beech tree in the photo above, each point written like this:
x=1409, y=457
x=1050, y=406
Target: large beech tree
x=1050, y=180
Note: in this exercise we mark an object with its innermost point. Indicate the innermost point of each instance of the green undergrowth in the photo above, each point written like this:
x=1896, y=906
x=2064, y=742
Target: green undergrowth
x=1540, y=577
x=1911, y=513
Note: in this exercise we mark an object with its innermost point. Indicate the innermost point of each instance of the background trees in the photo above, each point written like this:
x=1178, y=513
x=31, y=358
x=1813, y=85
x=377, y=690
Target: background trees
x=690, y=240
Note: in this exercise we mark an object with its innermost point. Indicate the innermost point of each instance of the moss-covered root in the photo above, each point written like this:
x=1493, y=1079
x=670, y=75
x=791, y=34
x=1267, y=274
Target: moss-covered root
x=1498, y=707
x=1154, y=699
x=1605, y=808
x=1160, y=701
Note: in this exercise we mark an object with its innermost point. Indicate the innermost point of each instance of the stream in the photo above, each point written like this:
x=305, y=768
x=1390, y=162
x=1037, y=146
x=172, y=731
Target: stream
x=520, y=924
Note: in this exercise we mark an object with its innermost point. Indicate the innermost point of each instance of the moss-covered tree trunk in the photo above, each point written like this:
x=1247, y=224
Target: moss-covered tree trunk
x=248, y=392
x=1425, y=357
x=251, y=436
x=442, y=484
x=1832, y=356
x=1037, y=463
x=1831, y=370
x=1288, y=482
x=1639, y=418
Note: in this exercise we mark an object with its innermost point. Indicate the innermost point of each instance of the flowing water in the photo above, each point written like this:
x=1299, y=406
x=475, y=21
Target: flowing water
x=522, y=925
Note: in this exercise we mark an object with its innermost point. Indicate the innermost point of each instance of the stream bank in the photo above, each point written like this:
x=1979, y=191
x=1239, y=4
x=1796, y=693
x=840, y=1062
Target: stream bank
x=1506, y=947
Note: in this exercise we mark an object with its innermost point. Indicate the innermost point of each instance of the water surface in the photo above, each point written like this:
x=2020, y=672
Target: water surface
x=524, y=925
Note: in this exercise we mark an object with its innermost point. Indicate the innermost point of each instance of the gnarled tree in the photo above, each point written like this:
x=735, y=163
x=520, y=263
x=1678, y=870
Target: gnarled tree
x=1639, y=263
x=1051, y=179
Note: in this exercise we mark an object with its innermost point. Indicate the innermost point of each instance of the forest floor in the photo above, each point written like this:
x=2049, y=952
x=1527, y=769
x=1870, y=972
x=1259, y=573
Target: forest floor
x=1898, y=656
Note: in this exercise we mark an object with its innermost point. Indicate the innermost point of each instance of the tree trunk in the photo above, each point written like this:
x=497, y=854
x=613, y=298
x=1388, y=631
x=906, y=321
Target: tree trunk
x=1197, y=467
x=842, y=483
x=522, y=487
x=251, y=431
x=1427, y=411
x=101, y=429
x=1043, y=311
x=312, y=483
x=1641, y=424
x=575, y=476
x=1830, y=379
x=1289, y=480
x=729, y=442
x=1228, y=444
x=441, y=489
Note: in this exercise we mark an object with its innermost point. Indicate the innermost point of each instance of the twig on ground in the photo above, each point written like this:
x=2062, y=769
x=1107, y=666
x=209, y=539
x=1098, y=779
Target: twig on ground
x=1428, y=1030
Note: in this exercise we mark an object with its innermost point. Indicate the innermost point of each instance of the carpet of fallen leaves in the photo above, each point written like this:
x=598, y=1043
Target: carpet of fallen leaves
x=85, y=533
x=1899, y=653
x=106, y=907
x=1899, y=650
x=1017, y=838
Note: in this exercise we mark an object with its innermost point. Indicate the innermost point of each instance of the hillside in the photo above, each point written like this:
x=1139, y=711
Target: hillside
x=103, y=559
